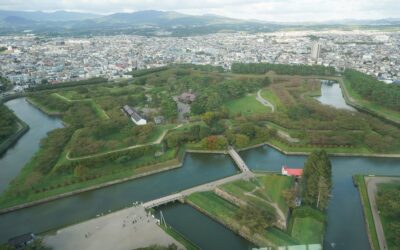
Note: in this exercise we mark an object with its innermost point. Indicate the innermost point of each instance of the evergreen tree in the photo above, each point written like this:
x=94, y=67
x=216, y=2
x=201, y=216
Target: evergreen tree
x=317, y=179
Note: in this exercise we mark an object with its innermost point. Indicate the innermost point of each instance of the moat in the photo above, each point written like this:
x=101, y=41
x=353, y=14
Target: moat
x=346, y=227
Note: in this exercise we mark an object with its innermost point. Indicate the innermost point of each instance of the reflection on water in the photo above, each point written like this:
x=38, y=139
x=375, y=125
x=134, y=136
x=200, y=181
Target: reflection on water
x=331, y=94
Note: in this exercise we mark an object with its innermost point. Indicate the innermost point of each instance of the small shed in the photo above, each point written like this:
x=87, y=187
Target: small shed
x=296, y=172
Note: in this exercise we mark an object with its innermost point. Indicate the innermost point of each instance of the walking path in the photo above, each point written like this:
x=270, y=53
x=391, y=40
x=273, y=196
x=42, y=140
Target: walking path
x=265, y=102
x=158, y=141
x=372, y=191
x=238, y=160
x=201, y=188
x=130, y=228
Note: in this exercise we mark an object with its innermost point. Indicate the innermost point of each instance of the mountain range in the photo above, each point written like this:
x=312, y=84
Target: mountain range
x=149, y=22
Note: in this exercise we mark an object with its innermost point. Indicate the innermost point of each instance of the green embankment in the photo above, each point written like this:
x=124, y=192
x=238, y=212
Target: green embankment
x=180, y=238
x=369, y=221
x=356, y=100
x=307, y=226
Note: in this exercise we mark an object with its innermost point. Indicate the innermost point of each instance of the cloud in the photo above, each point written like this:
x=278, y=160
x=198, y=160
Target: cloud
x=269, y=10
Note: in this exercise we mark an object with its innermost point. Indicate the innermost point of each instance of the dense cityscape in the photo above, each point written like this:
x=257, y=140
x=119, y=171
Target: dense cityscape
x=30, y=60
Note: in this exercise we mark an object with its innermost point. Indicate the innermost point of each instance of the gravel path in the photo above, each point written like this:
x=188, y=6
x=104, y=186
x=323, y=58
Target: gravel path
x=126, y=229
x=265, y=102
x=372, y=191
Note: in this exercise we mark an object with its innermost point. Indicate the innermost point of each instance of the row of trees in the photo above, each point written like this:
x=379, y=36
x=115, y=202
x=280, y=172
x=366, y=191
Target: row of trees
x=317, y=180
x=387, y=95
x=5, y=84
x=8, y=122
x=282, y=69
x=46, y=85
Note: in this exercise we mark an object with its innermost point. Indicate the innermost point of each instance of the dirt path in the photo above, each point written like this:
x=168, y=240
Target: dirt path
x=158, y=141
x=265, y=102
x=372, y=189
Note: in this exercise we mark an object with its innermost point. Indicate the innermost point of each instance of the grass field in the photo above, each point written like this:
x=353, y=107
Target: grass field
x=359, y=180
x=253, y=192
x=279, y=237
x=385, y=220
x=215, y=205
x=247, y=105
x=273, y=185
x=265, y=189
x=269, y=95
x=307, y=230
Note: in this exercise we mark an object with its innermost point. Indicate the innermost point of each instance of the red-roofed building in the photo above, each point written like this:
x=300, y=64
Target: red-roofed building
x=296, y=172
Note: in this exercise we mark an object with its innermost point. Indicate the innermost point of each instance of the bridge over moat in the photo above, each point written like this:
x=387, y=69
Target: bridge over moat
x=245, y=174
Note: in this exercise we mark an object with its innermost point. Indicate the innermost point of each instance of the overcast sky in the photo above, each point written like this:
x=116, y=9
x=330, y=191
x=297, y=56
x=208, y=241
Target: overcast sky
x=268, y=10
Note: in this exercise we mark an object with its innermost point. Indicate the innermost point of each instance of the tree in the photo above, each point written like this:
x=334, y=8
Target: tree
x=241, y=141
x=317, y=179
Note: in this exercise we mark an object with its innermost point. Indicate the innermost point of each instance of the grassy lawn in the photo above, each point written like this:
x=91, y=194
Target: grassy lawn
x=269, y=95
x=279, y=237
x=329, y=150
x=98, y=110
x=273, y=185
x=247, y=105
x=307, y=230
x=263, y=190
x=384, y=219
x=215, y=206
x=359, y=180
x=377, y=109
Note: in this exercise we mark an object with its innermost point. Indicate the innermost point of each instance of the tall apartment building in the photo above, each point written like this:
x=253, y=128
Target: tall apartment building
x=315, y=51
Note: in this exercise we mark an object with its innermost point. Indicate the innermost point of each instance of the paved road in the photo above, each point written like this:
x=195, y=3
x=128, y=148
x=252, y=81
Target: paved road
x=372, y=191
x=265, y=102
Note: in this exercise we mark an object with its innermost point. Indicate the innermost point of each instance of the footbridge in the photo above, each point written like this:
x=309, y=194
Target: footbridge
x=163, y=200
x=238, y=160
x=200, y=188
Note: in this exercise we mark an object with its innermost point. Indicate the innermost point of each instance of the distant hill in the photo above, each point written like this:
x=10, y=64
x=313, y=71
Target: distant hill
x=153, y=22
x=57, y=16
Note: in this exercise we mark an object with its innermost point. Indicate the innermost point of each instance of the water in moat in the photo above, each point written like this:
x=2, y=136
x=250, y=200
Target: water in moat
x=12, y=161
x=331, y=94
x=346, y=229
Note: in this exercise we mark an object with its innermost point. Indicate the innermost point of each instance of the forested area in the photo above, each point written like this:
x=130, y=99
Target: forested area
x=212, y=97
x=387, y=95
x=96, y=80
x=8, y=123
x=282, y=69
x=317, y=180
x=5, y=84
